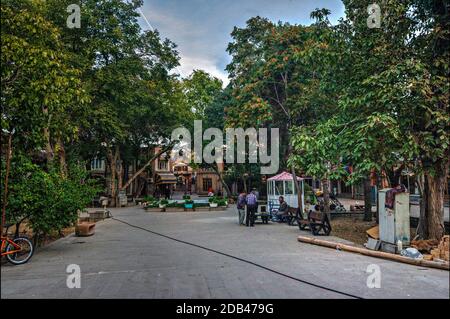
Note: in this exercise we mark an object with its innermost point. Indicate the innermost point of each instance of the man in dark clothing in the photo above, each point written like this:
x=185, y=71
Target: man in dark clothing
x=283, y=210
x=252, y=207
x=167, y=192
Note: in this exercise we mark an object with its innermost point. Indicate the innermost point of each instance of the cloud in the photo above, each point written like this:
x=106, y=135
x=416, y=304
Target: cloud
x=188, y=64
x=201, y=28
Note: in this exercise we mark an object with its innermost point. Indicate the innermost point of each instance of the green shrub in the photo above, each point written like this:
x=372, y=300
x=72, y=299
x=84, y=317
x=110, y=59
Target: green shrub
x=150, y=199
x=153, y=204
x=213, y=199
x=201, y=204
x=163, y=202
x=221, y=202
x=173, y=204
x=48, y=201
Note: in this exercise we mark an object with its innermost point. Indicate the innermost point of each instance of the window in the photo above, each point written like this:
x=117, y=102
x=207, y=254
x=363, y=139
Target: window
x=207, y=184
x=162, y=165
x=97, y=164
x=289, y=187
x=278, y=187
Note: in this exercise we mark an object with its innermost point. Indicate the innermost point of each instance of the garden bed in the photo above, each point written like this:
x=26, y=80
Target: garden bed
x=353, y=229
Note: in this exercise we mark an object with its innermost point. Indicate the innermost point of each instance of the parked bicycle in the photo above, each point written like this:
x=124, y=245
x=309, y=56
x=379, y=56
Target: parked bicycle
x=18, y=250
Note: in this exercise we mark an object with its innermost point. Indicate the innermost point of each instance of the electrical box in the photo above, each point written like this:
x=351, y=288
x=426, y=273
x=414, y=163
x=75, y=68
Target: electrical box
x=394, y=223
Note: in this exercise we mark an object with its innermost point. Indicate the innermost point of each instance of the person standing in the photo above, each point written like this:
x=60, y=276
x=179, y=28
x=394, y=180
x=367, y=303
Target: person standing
x=255, y=191
x=252, y=207
x=241, y=201
x=167, y=191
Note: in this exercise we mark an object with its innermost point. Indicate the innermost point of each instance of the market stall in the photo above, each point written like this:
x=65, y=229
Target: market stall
x=283, y=185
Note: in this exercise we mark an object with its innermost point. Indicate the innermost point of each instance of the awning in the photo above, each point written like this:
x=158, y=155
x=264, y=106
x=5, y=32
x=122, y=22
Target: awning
x=165, y=178
x=284, y=176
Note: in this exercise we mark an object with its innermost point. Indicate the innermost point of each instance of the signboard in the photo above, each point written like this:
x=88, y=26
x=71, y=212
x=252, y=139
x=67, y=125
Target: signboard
x=122, y=198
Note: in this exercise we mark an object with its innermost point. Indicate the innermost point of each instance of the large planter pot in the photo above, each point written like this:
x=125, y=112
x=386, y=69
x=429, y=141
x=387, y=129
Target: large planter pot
x=213, y=205
x=189, y=206
x=162, y=206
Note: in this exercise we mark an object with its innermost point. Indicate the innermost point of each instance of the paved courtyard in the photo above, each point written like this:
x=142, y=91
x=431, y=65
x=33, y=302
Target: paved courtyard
x=120, y=261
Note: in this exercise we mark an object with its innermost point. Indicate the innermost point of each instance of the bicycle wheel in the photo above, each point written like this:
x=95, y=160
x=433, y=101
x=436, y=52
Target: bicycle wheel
x=24, y=254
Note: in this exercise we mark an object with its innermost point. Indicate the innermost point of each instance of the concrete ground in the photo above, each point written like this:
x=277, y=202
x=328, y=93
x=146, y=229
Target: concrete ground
x=124, y=262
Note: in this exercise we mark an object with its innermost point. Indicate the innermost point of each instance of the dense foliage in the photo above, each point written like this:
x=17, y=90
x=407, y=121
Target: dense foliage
x=104, y=90
x=376, y=99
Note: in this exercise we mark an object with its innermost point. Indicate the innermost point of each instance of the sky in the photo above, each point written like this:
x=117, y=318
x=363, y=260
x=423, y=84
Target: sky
x=201, y=28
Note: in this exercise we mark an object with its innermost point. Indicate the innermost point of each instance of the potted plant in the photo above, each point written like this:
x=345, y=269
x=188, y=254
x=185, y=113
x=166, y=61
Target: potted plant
x=153, y=207
x=201, y=206
x=175, y=207
x=188, y=203
x=163, y=203
x=213, y=201
x=149, y=198
x=222, y=202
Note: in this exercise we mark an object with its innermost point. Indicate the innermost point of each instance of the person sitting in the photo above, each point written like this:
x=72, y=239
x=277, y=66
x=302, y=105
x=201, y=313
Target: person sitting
x=283, y=210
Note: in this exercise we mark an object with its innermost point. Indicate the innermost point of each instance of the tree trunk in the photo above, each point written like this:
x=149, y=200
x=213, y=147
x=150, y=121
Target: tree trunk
x=367, y=200
x=326, y=195
x=164, y=150
x=112, y=164
x=216, y=170
x=299, y=189
x=48, y=146
x=244, y=181
x=5, y=190
x=62, y=157
x=435, y=200
x=422, y=229
x=119, y=170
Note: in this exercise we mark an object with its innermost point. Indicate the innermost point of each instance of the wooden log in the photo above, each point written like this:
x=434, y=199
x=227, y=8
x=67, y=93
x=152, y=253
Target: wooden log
x=377, y=254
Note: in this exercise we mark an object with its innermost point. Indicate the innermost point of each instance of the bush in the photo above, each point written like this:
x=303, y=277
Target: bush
x=186, y=197
x=163, y=202
x=149, y=199
x=309, y=195
x=175, y=204
x=48, y=201
x=201, y=204
x=213, y=199
x=221, y=202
